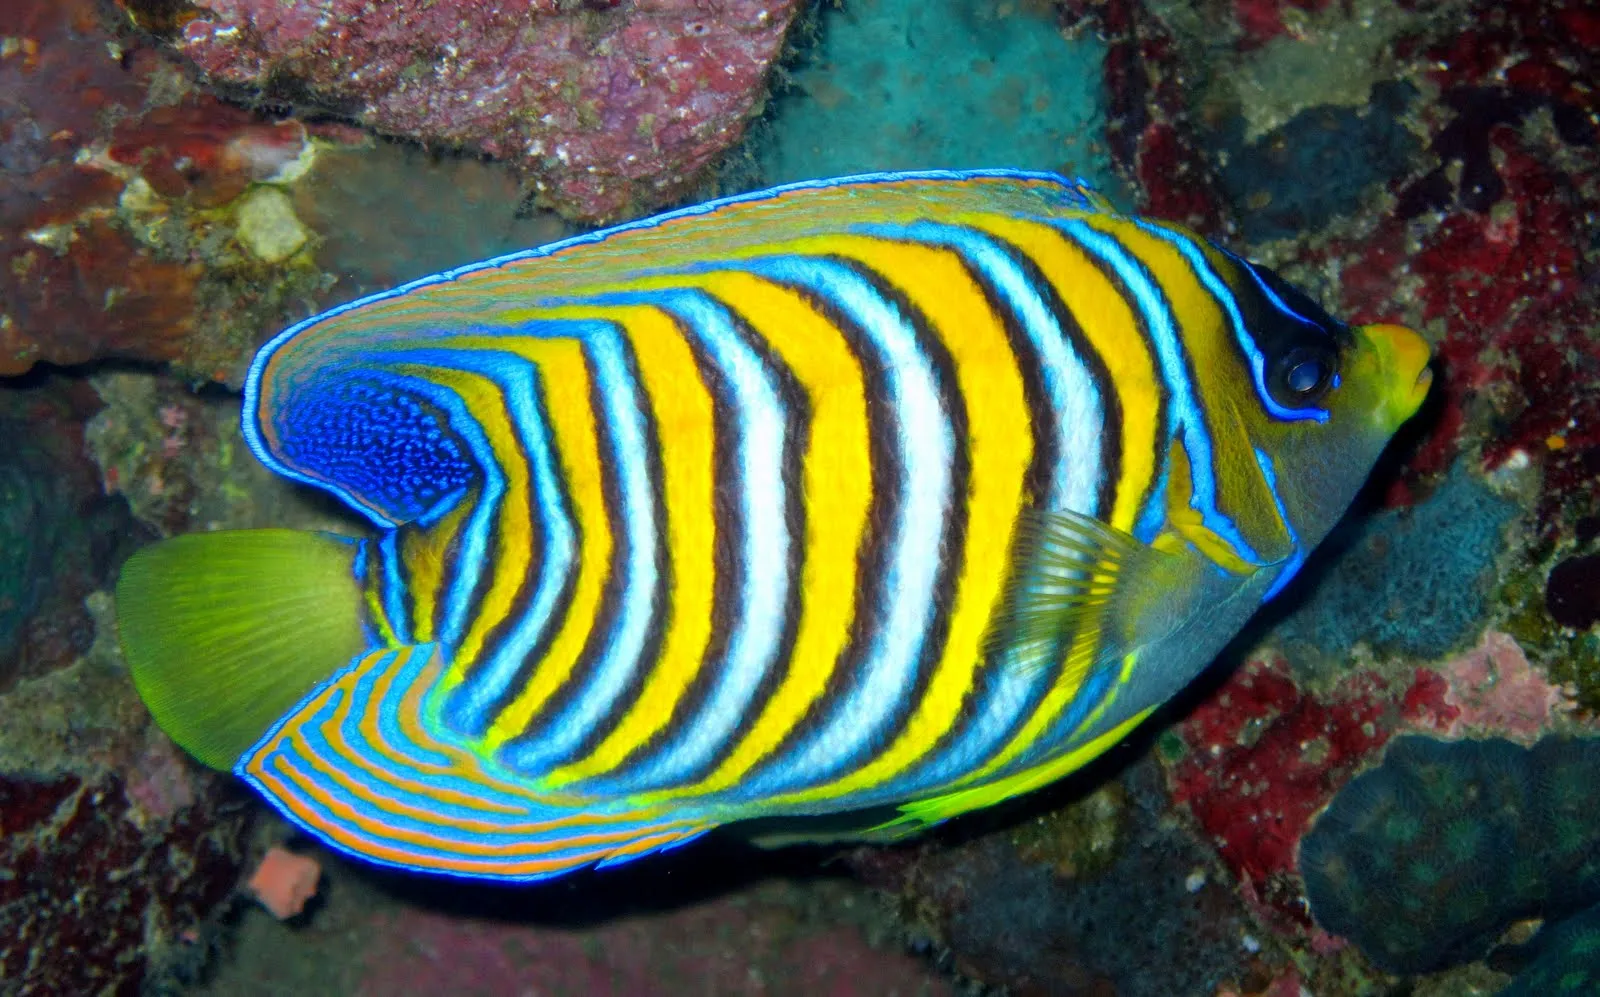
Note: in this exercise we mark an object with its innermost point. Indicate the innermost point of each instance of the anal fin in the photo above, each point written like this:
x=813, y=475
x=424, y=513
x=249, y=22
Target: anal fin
x=359, y=765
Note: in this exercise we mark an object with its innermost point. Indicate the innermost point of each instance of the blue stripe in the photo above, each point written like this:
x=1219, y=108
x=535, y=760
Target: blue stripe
x=1297, y=552
x=518, y=380
x=1009, y=694
x=922, y=432
x=1184, y=413
x=756, y=630
x=1225, y=297
x=475, y=538
x=1067, y=731
x=608, y=676
x=394, y=606
x=1074, y=396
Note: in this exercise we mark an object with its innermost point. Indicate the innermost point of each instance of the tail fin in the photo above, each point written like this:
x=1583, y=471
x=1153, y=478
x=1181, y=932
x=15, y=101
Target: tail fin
x=226, y=632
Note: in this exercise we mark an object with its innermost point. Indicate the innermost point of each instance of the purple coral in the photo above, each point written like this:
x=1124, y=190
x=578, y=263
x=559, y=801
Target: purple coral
x=613, y=108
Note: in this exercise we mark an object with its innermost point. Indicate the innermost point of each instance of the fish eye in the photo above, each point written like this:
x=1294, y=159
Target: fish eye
x=1303, y=376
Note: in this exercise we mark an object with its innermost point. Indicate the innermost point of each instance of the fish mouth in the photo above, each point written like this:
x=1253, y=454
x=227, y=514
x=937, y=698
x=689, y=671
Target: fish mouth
x=1403, y=358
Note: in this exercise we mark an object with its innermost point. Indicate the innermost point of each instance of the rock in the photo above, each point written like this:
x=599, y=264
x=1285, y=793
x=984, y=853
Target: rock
x=612, y=108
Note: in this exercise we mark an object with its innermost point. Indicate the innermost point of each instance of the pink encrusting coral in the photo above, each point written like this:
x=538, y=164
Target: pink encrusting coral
x=1494, y=690
x=720, y=948
x=285, y=882
x=613, y=107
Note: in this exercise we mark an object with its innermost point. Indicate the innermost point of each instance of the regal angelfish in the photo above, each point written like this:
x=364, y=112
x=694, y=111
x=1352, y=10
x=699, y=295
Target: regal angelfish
x=911, y=490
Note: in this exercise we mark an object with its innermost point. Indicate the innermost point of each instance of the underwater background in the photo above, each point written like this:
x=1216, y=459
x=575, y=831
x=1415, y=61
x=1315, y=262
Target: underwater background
x=1390, y=784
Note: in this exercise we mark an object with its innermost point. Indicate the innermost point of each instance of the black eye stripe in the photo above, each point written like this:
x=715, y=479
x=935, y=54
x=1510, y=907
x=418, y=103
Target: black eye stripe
x=1299, y=341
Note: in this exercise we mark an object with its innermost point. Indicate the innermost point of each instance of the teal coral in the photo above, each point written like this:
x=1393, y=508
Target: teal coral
x=908, y=84
x=1566, y=963
x=1424, y=861
x=1407, y=581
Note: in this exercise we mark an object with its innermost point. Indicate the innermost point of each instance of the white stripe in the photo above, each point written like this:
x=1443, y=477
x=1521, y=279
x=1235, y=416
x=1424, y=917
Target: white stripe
x=615, y=668
x=923, y=435
x=757, y=625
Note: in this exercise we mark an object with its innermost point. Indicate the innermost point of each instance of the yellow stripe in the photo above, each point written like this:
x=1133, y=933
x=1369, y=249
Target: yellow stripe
x=999, y=447
x=1109, y=324
x=938, y=808
x=1223, y=385
x=687, y=433
x=422, y=555
x=565, y=383
x=513, y=521
x=838, y=478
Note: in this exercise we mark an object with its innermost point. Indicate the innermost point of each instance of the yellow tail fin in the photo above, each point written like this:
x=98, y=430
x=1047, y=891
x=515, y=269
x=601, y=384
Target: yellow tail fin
x=225, y=632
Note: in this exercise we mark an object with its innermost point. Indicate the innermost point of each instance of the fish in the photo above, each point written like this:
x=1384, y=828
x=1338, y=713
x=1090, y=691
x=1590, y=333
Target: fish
x=839, y=508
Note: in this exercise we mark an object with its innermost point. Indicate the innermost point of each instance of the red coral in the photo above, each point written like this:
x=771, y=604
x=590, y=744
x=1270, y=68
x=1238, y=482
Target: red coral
x=93, y=897
x=1260, y=21
x=206, y=150
x=1265, y=756
x=1148, y=130
x=76, y=285
x=1502, y=271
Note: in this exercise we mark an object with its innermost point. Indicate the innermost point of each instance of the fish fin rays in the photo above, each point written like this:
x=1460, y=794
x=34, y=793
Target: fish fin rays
x=1087, y=595
x=853, y=827
x=225, y=632
x=918, y=815
x=362, y=765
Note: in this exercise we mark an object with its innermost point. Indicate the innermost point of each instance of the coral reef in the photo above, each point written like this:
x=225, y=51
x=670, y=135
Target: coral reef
x=117, y=853
x=1044, y=907
x=114, y=184
x=1431, y=163
x=1150, y=131
x=613, y=108
x=58, y=534
x=1406, y=581
x=1566, y=962
x=1494, y=690
x=1317, y=165
x=1262, y=755
x=722, y=926
x=178, y=460
x=1426, y=860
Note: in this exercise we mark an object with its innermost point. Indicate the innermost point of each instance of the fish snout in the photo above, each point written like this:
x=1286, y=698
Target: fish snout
x=1403, y=358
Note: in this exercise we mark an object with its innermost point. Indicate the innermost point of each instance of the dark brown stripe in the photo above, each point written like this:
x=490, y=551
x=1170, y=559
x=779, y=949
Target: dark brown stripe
x=844, y=679
x=610, y=596
x=797, y=440
x=529, y=587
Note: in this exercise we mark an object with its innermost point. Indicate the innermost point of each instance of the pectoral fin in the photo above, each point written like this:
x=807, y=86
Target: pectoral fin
x=1087, y=594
